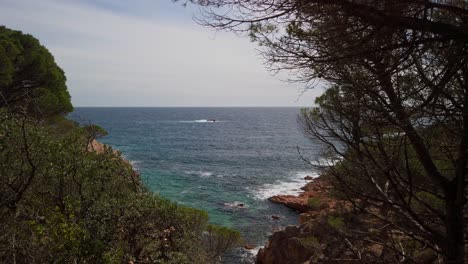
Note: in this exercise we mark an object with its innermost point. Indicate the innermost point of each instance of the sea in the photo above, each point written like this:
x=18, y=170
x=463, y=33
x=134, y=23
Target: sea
x=228, y=167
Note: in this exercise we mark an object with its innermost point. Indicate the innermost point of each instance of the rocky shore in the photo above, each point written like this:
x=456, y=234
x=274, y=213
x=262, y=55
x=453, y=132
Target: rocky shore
x=324, y=232
x=318, y=238
x=298, y=244
x=313, y=198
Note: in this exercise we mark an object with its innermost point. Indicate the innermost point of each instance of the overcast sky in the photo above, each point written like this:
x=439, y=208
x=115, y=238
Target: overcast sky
x=148, y=53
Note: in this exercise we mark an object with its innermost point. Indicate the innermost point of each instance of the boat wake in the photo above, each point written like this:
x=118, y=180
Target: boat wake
x=201, y=121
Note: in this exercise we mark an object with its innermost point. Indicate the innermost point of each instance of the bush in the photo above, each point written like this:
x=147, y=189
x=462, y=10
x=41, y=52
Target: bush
x=336, y=222
x=310, y=242
x=219, y=239
x=314, y=203
x=95, y=131
x=61, y=203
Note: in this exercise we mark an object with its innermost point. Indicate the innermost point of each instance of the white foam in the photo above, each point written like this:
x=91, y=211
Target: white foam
x=203, y=174
x=236, y=205
x=133, y=163
x=201, y=121
x=292, y=186
x=250, y=255
x=325, y=162
x=254, y=251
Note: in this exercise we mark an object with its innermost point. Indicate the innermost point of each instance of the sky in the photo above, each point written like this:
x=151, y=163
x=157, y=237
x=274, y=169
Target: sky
x=149, y=53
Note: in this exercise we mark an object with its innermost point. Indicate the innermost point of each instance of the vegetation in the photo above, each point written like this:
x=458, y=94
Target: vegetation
x=30, y=80
x=336, y=222
x=61, y=201
x=395, y=111
x=314, y=203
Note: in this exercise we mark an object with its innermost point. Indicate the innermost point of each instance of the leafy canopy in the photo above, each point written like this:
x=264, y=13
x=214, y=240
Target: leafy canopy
x=30, y=79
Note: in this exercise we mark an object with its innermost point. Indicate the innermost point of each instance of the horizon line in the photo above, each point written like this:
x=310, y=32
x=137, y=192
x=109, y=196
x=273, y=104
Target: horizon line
x=190, y=106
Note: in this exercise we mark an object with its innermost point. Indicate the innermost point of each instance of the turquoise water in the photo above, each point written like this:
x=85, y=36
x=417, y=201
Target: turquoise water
x=244, y=157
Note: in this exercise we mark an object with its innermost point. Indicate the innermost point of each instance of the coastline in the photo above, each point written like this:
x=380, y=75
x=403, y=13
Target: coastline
x=314, y=206
x=321, y=237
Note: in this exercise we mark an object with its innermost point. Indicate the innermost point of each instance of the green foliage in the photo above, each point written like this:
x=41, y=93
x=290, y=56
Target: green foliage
x=256, y=29
x=336, y=222
x=61, y=203
x=30, y=80
x=310, y=242
x=60, y=125
x=95, y=131
x=430, y=199
x=314, y=203
x=219, y=239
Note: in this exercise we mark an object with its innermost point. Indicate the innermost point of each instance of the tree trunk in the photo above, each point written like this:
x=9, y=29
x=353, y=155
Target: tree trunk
x=455, y=244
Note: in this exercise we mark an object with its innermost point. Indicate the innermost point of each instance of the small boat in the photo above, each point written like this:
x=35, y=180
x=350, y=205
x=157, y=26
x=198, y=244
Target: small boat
x=211, y=120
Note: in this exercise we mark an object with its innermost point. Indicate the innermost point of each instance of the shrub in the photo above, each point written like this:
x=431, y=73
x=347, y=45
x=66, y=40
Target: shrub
x=314, y=203
x=62, y=203
x=310, y=242
x=336, y=222
x=218, y=239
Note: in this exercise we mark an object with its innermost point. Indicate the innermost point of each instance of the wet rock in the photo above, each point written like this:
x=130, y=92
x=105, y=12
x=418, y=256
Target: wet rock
x=275, y=217
x=249, y=246
x=308, y=178
x=297, y=203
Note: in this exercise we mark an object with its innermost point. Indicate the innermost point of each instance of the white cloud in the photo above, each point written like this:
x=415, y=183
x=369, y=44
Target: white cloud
x=117, y=60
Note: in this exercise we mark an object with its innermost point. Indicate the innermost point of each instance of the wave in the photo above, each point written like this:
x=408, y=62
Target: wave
x=133, y=163
x=249, y=255
x=292, y=186
x=203, y=174
x=235, y=205
x=322, y=162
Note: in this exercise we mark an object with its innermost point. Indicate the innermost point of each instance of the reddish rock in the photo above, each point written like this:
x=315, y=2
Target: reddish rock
x=298, y=203
x=249, y=247
x=284, y=247
x=304, y=218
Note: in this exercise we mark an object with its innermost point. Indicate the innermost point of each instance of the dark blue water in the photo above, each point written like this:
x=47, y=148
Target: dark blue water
x=246, y=156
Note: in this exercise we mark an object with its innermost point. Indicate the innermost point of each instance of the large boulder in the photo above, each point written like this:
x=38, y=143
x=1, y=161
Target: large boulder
x=285, y=247
x=297, y=203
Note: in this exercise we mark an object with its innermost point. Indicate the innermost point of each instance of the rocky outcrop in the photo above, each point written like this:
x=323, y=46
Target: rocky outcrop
x=314, y=198
x=300, y=244
x=96, y=146
x=333, y=231
x=297, y=203
x=292, y=249
x=320, y=240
